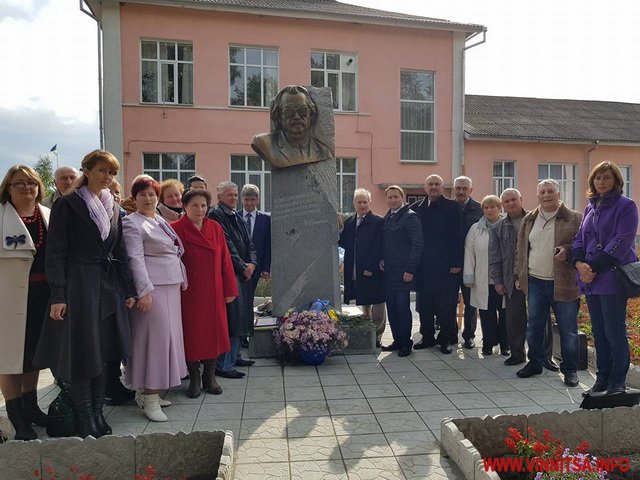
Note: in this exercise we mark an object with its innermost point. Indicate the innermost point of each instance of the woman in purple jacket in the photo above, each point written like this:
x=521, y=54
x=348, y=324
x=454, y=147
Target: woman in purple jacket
x=606, y=238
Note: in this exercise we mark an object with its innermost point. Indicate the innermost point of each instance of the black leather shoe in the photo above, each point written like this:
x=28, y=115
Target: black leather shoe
x=242, y=362
x=392, y=347
x=229, y=374
x=529, y=370
x=617, y=390
x=599, y=386
x=571, y=379
x=469, y=344
x=446, y=349
x=404, y=351
x=425, y=343
x=551, y=365
x=117, y=394
x=513, y=361
x=505, y=352
x=487, y=351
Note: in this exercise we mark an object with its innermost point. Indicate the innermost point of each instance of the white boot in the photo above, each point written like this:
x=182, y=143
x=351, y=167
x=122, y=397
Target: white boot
x=151, y=408
x=163, y=402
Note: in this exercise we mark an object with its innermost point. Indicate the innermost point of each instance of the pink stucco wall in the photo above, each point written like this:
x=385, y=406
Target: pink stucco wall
x=213, y=130
x=479, y=156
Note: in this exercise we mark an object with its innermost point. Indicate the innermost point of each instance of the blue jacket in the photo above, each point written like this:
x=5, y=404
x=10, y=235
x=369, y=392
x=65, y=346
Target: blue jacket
x=606, y=238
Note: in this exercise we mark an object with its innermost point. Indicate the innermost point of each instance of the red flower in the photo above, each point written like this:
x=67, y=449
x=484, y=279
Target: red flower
x=539, y=448
x=36, y=473
x=511, y=444
x=583, y=447
x=547, y=435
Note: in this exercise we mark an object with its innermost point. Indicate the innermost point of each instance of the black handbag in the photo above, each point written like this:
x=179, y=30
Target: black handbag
x=62, y=417
x=628, y=277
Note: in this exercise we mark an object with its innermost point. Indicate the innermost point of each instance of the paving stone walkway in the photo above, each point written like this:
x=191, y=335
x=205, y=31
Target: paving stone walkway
x=354, y=417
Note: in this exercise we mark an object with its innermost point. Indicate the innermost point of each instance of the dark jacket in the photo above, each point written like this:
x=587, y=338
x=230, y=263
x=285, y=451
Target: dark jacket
x=261, y=239
x=402, y=246
x=93, y=278
x=502, y=253
x=443, y=244
x=470, y=213
x=364, y=246
x=612, y=224
x=240, y=311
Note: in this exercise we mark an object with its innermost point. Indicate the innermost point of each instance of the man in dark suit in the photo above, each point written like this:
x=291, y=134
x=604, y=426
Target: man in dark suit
x=259, y=227
x=437, y=288
x=470, y=212
x=361, y=239
x=243, y=257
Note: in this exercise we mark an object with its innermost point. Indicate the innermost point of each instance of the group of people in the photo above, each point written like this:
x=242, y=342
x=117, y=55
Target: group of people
x=512, y=266
x=164, y=282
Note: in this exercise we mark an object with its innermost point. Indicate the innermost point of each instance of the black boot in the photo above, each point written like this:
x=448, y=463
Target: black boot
x=31, y=410
x=194, y=379
x=82, y=396
x=115, y=392
x=98, y=386
x=209, y=378
x=15, y=412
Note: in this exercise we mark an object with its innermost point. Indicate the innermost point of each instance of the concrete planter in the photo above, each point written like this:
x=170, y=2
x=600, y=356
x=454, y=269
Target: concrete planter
x=200, y=455
x=613, y=431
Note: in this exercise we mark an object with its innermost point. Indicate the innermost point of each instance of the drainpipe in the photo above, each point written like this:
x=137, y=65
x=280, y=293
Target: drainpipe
x=90, y=13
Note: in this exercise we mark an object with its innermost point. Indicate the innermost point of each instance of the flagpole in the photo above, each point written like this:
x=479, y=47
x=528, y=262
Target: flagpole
x=57, y=164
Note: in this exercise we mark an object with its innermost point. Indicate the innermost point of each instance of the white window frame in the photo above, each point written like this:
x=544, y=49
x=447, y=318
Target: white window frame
x=432, y=132
x=627, y=176
x=345, y=209
x=264, y=103
x=348, y=64
x=159, y=62
x=160, y=173
x=569, y=200
x=502, y=180
x=265, y=178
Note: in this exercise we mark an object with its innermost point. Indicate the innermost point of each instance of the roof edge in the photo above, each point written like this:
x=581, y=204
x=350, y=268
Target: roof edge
x=577, y=141
x=426, y=24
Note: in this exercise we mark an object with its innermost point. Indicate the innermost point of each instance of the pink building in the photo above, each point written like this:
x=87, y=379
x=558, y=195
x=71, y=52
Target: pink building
x=187, y=83
x=514, y=142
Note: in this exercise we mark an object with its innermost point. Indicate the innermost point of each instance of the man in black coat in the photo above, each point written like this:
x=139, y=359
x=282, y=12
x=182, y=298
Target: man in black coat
x=361, y=239
x=401, y=254
x=243, y=256
x=442, y=260
x=259, y=228
x=470, y=212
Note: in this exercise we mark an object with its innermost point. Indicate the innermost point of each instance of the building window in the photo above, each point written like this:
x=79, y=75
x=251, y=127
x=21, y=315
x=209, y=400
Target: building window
x=162, y=166
x=338, y=72
x=253, y=76
x=504, y=176
x=167, y=72
x=565, y=175
x=347, y=176
x=252, y=169
x=417, y=130
x=626, y=176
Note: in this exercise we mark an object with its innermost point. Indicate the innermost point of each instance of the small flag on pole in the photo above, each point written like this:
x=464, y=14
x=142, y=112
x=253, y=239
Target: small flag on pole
x=54, y=149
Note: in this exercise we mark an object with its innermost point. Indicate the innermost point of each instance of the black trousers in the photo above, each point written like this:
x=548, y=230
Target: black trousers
x=494, y=323
x=437, y=302
x=399, y=313
x=470, y=314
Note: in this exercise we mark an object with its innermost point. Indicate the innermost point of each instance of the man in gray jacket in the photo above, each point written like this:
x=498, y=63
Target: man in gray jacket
x=502, y=253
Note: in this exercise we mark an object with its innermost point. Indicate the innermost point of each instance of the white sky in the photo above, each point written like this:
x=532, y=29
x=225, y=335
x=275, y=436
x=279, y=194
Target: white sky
x=580, y=49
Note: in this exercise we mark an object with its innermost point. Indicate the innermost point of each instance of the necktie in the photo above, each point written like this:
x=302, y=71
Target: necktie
x=359, y=221
x=248, y=220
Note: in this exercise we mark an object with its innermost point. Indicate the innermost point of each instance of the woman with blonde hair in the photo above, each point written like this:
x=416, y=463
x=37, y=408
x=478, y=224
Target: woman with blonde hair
x=476, y=276
x=87, y=268
x=606, y=239
x=170, y=201
x=24, y=294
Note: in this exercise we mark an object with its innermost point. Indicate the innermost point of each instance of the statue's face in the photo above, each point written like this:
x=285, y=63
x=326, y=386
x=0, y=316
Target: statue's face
x=296, y=114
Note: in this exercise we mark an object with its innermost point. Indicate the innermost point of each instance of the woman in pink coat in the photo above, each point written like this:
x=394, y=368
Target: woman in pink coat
x=154, y=250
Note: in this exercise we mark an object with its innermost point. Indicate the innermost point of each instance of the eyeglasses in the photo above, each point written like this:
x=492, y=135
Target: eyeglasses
x=289, y=112
x=20, y=184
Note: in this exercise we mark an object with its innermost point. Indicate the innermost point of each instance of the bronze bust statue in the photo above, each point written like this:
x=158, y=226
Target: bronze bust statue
x=294, y=114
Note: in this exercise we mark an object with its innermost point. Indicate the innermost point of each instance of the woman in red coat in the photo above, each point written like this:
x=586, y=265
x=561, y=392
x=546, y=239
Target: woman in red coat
x=212, y=283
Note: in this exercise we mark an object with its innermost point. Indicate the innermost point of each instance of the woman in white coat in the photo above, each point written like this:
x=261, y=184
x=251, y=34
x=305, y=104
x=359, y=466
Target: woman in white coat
x=23, y=296
x=476, y=276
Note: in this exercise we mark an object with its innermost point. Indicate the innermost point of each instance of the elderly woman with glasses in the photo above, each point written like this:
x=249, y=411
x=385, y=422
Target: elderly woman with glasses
x=23, y=296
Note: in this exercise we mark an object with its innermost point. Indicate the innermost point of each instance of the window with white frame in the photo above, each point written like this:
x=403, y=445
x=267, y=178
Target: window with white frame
x=347, y=180
x=338, y=72
x=417, y=116
x=166, y=72
x=252, y=169
x=565, y=175
x=504, y=176
x=626, y=176
x=163, y=166
x=253, y=76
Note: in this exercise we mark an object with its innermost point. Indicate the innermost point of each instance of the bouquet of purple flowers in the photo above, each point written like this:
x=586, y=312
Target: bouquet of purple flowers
x=310, y=331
